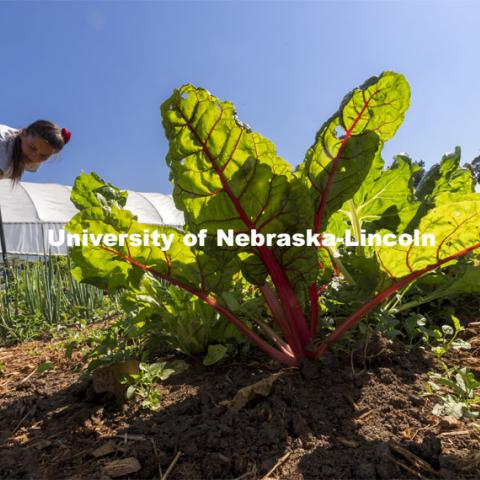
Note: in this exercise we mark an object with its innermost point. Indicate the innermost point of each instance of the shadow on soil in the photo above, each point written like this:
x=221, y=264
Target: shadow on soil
x=324, y=415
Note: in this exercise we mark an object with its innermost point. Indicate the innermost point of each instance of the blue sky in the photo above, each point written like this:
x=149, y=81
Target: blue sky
x=102, y=70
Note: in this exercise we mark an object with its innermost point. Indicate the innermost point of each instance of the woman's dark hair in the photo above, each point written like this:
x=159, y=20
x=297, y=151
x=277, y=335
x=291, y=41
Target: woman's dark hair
x=50, y=132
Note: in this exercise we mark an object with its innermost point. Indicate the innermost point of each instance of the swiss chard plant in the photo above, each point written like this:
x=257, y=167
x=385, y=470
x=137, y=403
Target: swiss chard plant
x=227, y=177
x=397, y=198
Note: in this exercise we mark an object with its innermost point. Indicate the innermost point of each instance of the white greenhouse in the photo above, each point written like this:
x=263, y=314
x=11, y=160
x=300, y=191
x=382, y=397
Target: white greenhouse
x=30, y=210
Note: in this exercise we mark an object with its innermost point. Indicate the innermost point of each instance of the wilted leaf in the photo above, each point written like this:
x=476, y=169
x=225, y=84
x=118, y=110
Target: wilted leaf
x=246, y=394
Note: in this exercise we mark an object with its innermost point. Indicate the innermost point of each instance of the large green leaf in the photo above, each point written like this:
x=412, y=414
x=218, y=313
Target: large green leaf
x=353, y=162
x=339, y=161
x=93, y=264
x=456, y=227
x=225, y=175
x=379, y=105
x=114, y=266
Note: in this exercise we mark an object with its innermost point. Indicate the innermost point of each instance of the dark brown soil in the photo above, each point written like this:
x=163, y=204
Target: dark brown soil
x=332, y=420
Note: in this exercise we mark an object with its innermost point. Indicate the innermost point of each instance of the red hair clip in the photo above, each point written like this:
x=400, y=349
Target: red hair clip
x=66, y=135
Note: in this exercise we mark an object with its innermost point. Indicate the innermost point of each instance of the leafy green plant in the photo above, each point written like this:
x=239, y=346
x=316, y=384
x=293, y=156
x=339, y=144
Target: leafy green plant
x=157, y=319
x=458, y=391
x=396, y=198
x=227, y=177
x=107, y=346
x=143, y=385
x=415, y=329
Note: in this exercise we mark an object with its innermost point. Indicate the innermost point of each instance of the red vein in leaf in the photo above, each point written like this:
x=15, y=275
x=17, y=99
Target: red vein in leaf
x=268, y=220
x=313, y=293
x=451, y=233
x=323, y=202
x=312, y=182
x=219, y=220
x=284, y=287
x=264, y=205
x=199, y=195
x=233, y=151
x=214, y=125
x=389, y=273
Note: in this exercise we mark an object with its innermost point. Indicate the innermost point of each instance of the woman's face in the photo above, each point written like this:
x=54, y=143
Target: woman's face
x=35, y=149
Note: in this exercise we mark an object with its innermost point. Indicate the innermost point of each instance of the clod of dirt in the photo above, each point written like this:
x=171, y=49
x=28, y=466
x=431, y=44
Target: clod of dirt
x=107, y=378
x=449, y=422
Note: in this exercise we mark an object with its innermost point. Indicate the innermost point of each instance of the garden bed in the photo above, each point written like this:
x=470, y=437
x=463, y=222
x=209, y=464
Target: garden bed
x=331, y=420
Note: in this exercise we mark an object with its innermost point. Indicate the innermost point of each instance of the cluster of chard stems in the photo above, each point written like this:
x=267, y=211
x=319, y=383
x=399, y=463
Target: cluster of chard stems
x=297, y=334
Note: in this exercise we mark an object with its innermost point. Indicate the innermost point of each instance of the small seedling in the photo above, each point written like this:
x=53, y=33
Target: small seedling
x=446, y=337
x=143, y=385
x=458, y=392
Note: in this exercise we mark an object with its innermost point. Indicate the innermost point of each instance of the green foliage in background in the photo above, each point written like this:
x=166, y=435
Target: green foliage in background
x=42, y=296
